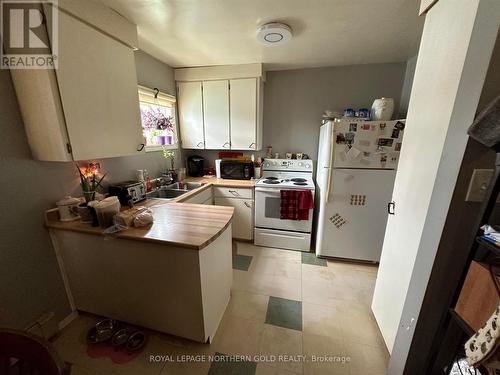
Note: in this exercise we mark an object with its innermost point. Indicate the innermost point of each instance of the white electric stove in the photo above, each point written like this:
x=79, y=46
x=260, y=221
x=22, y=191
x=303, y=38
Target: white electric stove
x=270, y=230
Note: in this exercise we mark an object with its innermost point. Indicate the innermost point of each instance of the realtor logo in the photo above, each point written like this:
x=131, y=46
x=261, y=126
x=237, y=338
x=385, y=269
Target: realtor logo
x=29, y=34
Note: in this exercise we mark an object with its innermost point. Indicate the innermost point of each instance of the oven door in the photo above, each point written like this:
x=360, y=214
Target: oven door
x=267, y=212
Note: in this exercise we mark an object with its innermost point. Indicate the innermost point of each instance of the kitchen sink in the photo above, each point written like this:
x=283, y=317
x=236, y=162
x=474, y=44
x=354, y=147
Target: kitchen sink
x=174, y=190
x=185, y=185
x=166, y=193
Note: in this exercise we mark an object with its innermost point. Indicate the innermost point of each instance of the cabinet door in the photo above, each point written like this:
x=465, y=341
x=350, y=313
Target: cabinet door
x=243, y=99
x=190, y=104
x=216, y=114
x=201, y=197
x=243, y=216
x=209, y=202
x=98, y=89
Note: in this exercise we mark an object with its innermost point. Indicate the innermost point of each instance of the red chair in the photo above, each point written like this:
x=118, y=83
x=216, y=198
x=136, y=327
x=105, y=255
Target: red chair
x=25, y=354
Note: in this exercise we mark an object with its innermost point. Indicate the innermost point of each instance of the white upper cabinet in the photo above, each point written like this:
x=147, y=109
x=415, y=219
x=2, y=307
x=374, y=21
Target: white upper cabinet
x=98, y=88
x=190, y=105
x=230, y=107
x=244, y=114
x=88, y=108
x=216, y=114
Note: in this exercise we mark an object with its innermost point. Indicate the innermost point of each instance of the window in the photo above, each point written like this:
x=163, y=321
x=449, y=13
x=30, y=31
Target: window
x=158, y=119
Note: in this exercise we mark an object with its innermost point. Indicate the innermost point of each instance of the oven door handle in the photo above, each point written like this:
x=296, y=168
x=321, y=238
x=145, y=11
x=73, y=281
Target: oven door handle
x=267, y=190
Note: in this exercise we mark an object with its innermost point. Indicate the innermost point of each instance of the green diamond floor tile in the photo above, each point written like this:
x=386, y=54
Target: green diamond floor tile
x=311, y=258
x=241, y=262
x=284, y=313
x=225, y=365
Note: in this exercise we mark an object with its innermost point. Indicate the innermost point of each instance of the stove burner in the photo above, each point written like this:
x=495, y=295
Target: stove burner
x=300, y=183
x=298, y=180
x=271, y=178
x=271, y=182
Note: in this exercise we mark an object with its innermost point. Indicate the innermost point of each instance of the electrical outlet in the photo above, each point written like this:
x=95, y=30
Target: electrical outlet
x=478, y=185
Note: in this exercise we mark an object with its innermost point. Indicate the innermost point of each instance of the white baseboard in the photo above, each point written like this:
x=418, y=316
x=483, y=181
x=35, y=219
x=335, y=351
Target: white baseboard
x=66, y=321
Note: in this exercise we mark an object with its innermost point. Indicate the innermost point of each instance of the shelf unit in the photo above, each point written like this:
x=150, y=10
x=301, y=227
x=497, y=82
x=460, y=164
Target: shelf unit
x=457, y=330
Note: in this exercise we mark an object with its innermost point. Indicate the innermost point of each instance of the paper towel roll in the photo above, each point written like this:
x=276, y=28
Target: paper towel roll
x=217, y=168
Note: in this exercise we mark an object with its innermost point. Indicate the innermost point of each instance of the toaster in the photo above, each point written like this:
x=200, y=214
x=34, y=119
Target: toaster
x=128, y=192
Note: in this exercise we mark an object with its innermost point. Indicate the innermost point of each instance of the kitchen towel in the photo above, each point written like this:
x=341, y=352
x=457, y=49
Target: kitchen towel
x=295, y=204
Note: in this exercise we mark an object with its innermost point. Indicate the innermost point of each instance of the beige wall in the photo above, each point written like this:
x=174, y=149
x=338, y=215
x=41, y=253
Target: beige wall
x=29, y=275
x=295, y=99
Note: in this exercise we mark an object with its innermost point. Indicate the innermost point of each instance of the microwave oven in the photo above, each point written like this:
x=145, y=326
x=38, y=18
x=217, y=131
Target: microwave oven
x=236, y=170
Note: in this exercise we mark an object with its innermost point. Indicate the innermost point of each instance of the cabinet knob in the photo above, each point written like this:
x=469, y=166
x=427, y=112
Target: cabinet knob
x=200, y=144
x=225, y=145
x=252, y=145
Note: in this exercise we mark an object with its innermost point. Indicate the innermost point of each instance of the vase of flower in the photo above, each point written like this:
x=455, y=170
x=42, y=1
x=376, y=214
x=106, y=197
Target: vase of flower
x=89, y=182
x=160, y=139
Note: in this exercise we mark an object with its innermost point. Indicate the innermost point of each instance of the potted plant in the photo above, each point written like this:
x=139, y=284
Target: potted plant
x=170, y=155
x=155, y=122
x=165, y=123
x=89, y=182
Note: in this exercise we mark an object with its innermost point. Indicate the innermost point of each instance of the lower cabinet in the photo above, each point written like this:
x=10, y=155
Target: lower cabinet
x=203, y=197
x=243, y=216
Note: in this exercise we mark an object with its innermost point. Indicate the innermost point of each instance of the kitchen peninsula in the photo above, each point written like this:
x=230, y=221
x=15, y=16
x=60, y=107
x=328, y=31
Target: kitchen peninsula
x=173, y=276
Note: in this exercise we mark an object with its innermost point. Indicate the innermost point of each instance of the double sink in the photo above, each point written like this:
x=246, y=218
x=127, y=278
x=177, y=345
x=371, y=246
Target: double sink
x=174, y=190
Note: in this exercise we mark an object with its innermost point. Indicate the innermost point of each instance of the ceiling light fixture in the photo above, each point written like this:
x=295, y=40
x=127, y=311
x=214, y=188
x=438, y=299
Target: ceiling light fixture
x=274, y=33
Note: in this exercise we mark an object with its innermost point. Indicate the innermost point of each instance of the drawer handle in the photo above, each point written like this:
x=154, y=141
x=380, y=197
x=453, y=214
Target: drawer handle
x=224, y=145
x=252, y=145
x=234, y=192
x=248, y=205
x=200, y=144
x=139, y=148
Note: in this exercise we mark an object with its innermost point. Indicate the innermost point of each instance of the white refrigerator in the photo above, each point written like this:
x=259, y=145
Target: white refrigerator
x=357, y=163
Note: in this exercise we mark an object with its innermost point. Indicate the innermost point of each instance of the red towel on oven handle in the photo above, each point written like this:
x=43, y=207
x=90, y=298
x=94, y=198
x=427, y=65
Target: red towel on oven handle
x=295, y=204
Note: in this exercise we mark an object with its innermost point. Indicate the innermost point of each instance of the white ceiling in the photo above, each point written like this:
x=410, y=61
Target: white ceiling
x=184, y=33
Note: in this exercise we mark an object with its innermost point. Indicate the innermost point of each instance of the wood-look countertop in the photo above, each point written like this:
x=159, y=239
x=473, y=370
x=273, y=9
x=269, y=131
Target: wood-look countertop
x=213, y=181
x=192, y=226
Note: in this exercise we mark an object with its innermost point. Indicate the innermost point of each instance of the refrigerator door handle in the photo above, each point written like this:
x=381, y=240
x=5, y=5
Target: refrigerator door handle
x=328, y=184
x=391, y=206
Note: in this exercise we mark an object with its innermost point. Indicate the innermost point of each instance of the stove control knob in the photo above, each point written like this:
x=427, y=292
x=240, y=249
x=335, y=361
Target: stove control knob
x=274, y=163
x=308, y=165
x=266, y=165
x=300, y=164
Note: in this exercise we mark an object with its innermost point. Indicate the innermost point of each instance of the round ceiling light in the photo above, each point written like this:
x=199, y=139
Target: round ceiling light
x=274, y=33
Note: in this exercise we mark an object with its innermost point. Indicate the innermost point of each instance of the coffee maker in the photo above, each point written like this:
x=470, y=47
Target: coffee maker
x=195, y=166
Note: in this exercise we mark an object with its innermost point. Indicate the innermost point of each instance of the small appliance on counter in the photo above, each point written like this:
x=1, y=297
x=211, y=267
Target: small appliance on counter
x=68, y=208
x=236, y=170
x=195, y=166
x=128, y=192
x=217, y=168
